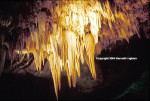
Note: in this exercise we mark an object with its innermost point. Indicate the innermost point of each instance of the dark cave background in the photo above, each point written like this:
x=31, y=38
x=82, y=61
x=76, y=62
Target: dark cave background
x=122, y=80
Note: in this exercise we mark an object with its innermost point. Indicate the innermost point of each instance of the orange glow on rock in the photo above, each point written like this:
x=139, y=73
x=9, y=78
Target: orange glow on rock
x=73, y=35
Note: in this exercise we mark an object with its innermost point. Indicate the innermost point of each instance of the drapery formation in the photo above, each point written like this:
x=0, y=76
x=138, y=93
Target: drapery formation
x=73, y=32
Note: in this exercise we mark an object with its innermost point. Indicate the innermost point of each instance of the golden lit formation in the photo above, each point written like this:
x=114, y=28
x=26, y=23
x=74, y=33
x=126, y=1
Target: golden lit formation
x=68, y=37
